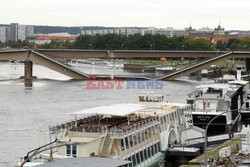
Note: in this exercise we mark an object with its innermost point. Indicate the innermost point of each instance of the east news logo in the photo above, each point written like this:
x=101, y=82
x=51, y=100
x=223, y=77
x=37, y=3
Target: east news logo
x=93, y=83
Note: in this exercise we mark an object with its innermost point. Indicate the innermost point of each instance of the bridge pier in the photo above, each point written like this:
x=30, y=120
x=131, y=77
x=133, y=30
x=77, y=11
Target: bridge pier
x=247, y=64
x=28, y=71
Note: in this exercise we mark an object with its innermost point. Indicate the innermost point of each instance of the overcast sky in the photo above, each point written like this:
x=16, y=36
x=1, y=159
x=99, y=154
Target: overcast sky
x=234, y=14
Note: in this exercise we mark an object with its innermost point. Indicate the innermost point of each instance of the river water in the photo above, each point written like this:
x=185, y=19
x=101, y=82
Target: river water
x=26, y=112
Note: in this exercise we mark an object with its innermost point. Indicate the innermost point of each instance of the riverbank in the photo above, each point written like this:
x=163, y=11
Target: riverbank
x=236, y=158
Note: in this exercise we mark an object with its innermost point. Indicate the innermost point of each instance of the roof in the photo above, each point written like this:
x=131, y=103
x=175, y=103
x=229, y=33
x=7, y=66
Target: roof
x=239, y=82
x=224, y=39
x=86, y=162
x=114, y=110
x=215, y=86
x=55, y=37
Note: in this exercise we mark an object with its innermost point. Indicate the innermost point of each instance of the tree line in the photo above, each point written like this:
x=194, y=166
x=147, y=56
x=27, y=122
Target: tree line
x=137, y=42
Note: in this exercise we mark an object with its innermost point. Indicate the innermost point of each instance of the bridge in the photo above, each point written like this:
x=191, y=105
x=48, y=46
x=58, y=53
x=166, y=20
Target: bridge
x=48, y=58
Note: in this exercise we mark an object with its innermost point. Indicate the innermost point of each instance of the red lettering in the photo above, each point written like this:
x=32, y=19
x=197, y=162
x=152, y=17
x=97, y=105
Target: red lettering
x=119, y=82
x=100, y=84
x=110, y=84
x=90, y=83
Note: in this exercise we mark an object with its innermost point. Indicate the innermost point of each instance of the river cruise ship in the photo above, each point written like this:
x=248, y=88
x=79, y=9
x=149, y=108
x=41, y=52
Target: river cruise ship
x=139, y=132
x=211, y=100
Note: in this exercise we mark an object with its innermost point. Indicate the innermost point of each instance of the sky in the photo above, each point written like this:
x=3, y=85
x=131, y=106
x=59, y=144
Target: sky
x=232, y=14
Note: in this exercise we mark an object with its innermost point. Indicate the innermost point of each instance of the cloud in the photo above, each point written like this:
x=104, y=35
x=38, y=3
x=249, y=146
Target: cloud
x=233, y=14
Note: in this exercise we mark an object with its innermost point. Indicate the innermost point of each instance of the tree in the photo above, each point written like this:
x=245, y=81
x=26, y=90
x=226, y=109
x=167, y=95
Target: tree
x=220, y=45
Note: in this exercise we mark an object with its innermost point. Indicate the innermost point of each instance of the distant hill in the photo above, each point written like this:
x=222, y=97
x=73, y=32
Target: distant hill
x=71, y=30
x=56, y=29
x=238, y=32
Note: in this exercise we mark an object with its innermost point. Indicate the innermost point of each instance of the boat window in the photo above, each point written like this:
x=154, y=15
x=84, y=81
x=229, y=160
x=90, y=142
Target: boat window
x=74, y=150
x=164, y=118
x=161, y=120
x=149, y=133
x=139, y=138
x=134, y=160
x=68, y=150
x=131, y=141
x=149, y=153
x=142, y=99
x=71, y=150
x=126, y=142
x=122, y=144
x=152, y=150
x=208, y=105
x=156, y=150
x=158, y=145
x=145, y=154
x=143, y=136
x=150, y=98
x=129, y=159
x=141, y=155
x=138, y=158
x=135, y=139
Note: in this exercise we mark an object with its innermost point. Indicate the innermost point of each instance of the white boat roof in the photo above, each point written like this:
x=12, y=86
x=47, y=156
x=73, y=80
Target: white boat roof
x=215, y=86
x=240, y=82
x=113, y=110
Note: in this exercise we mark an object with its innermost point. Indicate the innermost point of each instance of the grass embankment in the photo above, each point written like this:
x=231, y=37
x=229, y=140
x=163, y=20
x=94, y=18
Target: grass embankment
x=235, y=145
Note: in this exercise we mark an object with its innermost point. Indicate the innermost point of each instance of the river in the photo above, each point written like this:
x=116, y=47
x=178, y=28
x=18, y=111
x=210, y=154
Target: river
x=26, y=112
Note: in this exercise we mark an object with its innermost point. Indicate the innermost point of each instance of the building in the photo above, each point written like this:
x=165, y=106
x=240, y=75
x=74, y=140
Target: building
x=21, y=32
x=190, y=31
x=29, y=31
x=13, y=31
x=8, y=34
x=219, y=31
x=47, y=39
x=3, y=34
x=179, y=32
x=60, y=34
x=148, y=31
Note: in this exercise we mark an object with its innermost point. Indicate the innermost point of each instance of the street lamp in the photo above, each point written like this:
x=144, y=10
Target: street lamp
x=205, y=154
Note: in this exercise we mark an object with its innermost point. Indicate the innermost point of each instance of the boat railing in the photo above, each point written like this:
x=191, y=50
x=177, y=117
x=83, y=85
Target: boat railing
x=84, y=134
x=205, y=111
x=132, y=128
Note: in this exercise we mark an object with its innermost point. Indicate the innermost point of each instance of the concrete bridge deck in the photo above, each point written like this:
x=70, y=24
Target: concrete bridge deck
x=47, y=58
x=81, y=53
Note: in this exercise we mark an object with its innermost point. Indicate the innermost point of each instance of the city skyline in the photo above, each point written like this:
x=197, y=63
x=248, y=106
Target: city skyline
x=233, y=15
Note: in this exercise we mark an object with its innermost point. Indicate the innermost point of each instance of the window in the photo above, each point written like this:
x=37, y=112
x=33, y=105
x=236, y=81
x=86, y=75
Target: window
x=152, y=150
x=135, y=139
x=208, y=105
x=145, y=154
x=143, y=136
x=164, y=118
x=149, y=153
x=138, y=158
x=122, y=144
x=131, y=141
x=158, y=145
x=141, y=156
x=139, y=137
x=155, y=147
x=68, y=150
x=74, y=150
x=71, y=150
x=134, y=160
x=126, y=142
x=129, y=158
